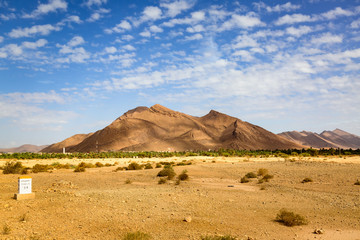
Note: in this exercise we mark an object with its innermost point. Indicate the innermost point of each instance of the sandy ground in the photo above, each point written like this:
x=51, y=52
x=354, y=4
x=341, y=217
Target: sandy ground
x=98, y=204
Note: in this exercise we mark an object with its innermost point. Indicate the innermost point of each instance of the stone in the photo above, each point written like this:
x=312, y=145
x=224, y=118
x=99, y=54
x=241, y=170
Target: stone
x=318, y=231
x=187, y=219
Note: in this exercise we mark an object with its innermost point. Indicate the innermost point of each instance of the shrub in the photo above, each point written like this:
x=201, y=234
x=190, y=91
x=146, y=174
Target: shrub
x=119, y=169
x=108, y=164
x=158, y=165
x=148, y=166
x=306, y=180
x=40, y=168
x=227, y=237
x=79, y=168
x=162, y=180
x=290, y=219
x=357, y=182
x=267, y=177
x=262, y=172
x=6, y=229
x=14, y=168
x=58, y=165
x=134, y=166
x=137, y=236
x=99, y=164
x=244, y=180
x=251, y=175
x=128, y=181
x=183, y=176
x=86, y=165
x=168, y=172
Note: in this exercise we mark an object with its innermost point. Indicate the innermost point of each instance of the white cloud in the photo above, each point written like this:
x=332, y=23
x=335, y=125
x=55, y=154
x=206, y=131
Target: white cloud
x=241, y=21
x=119, y=28
x=197, y=36
x=156, y=29
x=283, y=7
x=8, y=16
x=52, y=6
x=145, y=33
x=127, y=37
x=75, y=41
x=1, y=39
x=195, y=29
x=72, y=18
x=298, y=32
x=246, y=56
x=294, y=18
x=34, y=45
x=332, y=14
x=32, y=31
x=14, y=49
x=176, y=7
x=195, y=18
x=36, y=97
x=151, y=14
x=355, y=24
x=89, y=3
x=129, y=47
x=110, y=50
x=98, y=14
x=244, y=41
x=327, y=38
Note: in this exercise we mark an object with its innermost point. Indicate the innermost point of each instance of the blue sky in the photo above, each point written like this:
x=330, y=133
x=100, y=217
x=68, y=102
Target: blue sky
x=74, y=66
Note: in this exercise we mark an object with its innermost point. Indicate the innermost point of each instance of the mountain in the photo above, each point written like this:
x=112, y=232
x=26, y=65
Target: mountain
x=327, y=139
x=161, y=129
x=23, y=148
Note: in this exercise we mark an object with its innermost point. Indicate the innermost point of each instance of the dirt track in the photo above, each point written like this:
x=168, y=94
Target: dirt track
x=97, y=204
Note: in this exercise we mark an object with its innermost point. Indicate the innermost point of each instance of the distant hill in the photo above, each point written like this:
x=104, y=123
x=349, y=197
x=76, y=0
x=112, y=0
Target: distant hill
x=327, y=139
x=23, y=148
x=161, y=129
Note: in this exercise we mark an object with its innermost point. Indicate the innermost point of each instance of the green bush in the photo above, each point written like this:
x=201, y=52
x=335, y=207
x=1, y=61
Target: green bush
x=134, y=166
x=306, y=180
x=290, y=219
x=251, y=175
x=167, y=171
x=137, y=236
x=14, y=168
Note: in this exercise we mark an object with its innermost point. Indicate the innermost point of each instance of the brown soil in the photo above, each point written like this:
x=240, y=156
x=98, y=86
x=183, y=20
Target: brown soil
x=97, y=204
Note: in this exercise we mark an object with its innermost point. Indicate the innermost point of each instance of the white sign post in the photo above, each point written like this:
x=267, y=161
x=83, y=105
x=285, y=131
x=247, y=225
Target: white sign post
x=25, y=188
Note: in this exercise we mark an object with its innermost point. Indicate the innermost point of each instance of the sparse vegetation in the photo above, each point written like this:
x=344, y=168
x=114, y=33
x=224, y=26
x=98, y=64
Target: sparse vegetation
x=40, y=168
x=137, y=236
x=6, y=229
x=306, y=180
x=290, y=219
x=357, y=182
x=244, y=180
x=14, y=168
x=134, y=166
x=167, y=171
x=183, y=176
x=251, y=175
x=162, y=180
x=148, y=166
x=262, y=172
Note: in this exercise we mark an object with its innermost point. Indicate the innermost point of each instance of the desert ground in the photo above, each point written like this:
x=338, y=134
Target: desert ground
x=99, y=204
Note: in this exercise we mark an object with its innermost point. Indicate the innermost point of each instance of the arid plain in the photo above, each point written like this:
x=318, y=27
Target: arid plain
x=99, y=204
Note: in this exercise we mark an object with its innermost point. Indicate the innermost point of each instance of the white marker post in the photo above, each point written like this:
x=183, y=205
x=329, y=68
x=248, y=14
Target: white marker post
x=25, y=189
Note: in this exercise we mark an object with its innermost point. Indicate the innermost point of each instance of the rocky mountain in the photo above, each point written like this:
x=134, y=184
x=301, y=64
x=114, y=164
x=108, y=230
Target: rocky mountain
x=327, y=139
x=23, y=148
x=161, y=129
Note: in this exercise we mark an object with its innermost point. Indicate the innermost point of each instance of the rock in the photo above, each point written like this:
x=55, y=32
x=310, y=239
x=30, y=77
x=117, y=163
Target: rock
x=187, y=219
x=318, y=231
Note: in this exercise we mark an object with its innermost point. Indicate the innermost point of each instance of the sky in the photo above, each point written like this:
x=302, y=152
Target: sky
x=74, y=66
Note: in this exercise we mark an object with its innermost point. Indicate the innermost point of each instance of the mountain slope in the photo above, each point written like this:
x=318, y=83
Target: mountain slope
x=23, y=148
x=327, y=139
x=161, y=129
